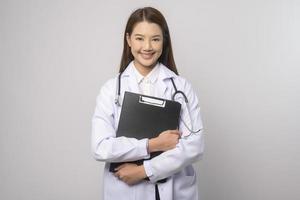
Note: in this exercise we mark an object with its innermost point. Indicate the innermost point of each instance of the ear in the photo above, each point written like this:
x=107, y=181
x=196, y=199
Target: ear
x=128, y=39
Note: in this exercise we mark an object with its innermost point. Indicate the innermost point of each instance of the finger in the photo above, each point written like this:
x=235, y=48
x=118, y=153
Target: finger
x=164, y=132
x=179, y=133
x=119, y=176
x=118, y=172
x=176, y=132
x=120, y=167
x=129, y=183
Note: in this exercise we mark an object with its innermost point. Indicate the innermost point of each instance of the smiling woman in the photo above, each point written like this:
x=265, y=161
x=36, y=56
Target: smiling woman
x=147, y=67
x=146, y=43
x=144, y=25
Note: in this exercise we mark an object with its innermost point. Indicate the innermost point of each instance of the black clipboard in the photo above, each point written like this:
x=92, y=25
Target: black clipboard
x=144, y=116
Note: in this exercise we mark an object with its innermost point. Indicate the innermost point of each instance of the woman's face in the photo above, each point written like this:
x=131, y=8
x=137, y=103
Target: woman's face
x=146, y=42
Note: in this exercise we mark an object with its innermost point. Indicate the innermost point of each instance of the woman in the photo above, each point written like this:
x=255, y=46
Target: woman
x=148, y=67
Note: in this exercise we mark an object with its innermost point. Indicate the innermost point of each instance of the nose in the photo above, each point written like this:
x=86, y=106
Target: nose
x=147, y=45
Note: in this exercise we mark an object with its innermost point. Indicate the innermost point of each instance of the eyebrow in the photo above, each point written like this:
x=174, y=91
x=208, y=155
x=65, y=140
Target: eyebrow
x=144, y=36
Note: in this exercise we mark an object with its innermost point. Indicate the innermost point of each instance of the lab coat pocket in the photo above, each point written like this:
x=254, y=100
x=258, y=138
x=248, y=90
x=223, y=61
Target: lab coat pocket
x=185, y=182
x=189, y=179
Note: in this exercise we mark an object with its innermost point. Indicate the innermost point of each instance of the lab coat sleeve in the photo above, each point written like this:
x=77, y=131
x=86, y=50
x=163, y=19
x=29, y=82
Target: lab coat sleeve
x=187, y=151
x=104, y=144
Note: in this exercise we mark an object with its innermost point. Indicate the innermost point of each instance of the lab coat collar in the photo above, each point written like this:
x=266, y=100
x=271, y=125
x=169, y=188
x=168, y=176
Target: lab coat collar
x=152, y=76
x=164, y=72
x=163, y=75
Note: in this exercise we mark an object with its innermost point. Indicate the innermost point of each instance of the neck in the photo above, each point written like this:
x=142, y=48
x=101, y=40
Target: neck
x=143, y=70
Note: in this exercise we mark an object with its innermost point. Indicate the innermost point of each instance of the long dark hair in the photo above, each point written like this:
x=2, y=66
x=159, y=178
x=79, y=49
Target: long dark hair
x=150, y=15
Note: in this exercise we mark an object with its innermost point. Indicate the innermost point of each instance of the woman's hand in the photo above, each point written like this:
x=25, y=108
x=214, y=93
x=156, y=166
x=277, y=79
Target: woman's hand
x=130, y=173
x=165, y=141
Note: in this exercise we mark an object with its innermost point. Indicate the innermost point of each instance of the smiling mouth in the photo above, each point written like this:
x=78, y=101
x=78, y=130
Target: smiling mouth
x=147, y=55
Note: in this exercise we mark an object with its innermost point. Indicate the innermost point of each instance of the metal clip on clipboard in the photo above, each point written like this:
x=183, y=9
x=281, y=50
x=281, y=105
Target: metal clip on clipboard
x=152, y=101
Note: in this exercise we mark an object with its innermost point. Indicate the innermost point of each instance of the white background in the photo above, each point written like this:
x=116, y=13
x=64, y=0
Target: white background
x=242, y=57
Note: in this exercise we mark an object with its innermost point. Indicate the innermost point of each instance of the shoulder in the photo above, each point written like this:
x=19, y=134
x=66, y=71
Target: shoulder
x=180, y=82
x=110, y=83
x=167, y=74
x=185, y=86
x=108, y=89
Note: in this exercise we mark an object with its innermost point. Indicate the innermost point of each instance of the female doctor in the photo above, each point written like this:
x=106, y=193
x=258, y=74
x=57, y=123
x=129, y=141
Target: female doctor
x=148, y=67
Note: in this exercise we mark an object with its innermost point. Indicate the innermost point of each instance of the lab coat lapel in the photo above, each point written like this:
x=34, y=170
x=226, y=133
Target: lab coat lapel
x=163, y=77
x=133, y=84
x=130, y=82
x=161, y=88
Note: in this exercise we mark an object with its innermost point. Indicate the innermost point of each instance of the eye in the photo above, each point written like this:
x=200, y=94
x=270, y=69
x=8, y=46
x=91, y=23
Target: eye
x=156, y=39
x=139, y=38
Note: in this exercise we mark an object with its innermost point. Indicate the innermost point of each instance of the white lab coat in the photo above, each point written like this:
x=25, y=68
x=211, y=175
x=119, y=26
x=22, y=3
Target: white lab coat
x=176, y=164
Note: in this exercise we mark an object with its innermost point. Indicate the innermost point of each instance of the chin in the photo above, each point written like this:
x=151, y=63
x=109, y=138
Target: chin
x=149, y=63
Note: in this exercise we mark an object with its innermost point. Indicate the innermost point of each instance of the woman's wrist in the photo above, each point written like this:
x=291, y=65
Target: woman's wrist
x=142, y=172
x=152, y=145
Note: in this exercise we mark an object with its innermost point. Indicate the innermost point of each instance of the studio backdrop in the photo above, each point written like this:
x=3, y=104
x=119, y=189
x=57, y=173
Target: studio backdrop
x=242, y=58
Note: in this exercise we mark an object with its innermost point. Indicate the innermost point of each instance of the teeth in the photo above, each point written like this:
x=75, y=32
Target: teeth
x=147, y=55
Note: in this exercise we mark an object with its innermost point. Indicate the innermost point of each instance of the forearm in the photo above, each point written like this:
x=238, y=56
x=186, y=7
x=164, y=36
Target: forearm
x=153, y=145
x=170, y=162
x=105, y=146
x=120, y=149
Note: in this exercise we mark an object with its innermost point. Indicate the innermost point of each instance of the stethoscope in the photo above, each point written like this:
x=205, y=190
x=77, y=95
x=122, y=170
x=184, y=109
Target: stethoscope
x=177, y=92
